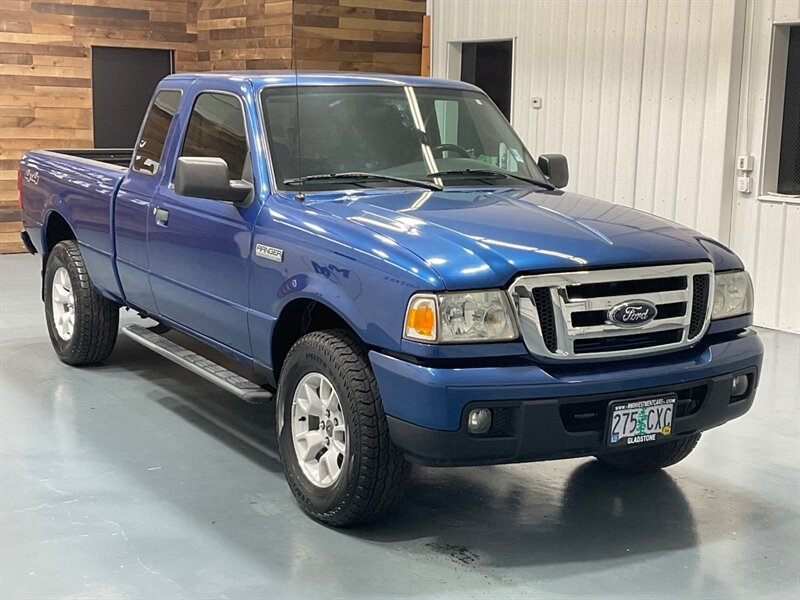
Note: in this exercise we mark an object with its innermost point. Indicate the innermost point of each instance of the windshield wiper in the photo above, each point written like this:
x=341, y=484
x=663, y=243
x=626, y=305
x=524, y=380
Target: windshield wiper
x=482, y=173
x=357, y=175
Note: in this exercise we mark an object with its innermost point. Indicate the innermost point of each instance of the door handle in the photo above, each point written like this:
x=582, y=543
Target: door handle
x=161, y=215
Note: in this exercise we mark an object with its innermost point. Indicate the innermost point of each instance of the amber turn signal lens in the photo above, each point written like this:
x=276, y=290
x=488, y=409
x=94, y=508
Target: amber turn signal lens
x=421, y=319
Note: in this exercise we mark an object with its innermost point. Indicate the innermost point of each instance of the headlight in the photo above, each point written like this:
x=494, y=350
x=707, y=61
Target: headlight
x=460, y=317
x=733, y=294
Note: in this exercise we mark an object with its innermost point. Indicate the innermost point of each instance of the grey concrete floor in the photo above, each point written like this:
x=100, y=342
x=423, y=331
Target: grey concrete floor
x=137, y=480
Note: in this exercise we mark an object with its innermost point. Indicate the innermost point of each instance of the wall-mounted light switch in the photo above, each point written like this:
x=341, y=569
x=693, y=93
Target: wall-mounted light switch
x=745, y=163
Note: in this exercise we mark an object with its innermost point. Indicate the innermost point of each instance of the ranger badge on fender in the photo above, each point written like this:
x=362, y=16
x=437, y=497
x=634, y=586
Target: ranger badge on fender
x=269, y=252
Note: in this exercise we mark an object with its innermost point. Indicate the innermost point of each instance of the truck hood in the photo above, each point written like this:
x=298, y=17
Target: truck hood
x=483, y=238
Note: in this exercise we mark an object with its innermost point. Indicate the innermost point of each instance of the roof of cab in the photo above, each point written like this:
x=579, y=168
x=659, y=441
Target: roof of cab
x=276, y=78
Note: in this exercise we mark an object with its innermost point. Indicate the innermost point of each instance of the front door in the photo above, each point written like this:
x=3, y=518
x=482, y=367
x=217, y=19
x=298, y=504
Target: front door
x=200, y=248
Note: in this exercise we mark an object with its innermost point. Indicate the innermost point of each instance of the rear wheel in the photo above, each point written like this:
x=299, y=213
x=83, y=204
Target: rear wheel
x=651, y=458
x=332, y=433
x=82, y=323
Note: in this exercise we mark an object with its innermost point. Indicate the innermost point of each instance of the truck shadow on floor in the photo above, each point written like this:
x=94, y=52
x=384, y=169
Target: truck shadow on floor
x=246, y=428
x=574, y=511
x=521, y=515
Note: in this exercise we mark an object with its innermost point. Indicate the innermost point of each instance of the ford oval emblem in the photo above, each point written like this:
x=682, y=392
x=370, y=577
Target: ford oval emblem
x=633, y=313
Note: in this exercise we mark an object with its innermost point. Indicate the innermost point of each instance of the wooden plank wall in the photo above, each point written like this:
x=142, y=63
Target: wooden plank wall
x=359, y=35
x=244, y=34
x=46, y=66
x=46, y=74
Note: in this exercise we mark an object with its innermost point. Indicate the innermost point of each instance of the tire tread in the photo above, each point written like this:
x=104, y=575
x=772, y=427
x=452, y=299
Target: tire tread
x=97, y=318
x=382, y=468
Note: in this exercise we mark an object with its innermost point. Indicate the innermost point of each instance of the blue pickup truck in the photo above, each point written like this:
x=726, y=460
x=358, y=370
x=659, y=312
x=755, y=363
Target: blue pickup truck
x=384, y=256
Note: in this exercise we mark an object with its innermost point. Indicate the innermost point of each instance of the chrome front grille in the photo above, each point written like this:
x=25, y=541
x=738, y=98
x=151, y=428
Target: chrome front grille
x=566, y=315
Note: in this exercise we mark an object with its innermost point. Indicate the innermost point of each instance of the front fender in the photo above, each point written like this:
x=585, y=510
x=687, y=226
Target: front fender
x=365, y=278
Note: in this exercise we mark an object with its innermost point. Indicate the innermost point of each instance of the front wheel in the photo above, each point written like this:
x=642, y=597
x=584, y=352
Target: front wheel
x=332, y=432
x=82, y=323
x=651, y=458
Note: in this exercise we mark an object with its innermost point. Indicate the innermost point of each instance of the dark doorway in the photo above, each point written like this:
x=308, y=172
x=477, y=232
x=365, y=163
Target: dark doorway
x=789, y=165
x=488, y=65
x=123, y=80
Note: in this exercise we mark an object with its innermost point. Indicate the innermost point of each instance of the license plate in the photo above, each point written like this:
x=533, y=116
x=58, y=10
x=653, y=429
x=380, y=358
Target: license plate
x=632, y=422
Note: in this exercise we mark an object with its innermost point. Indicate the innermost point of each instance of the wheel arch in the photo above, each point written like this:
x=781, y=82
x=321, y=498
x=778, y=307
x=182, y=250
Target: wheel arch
x=300, y=316
x=56, y=229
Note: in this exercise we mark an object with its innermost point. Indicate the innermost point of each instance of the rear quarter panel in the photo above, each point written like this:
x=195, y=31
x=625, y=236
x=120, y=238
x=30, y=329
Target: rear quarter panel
x=82, y=192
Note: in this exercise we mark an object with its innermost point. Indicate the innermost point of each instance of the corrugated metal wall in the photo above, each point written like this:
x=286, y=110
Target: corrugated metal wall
x=641, y=95
x=766, y=234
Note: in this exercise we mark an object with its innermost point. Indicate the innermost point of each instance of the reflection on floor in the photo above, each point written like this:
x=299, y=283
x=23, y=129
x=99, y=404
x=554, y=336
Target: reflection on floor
x=136, y=479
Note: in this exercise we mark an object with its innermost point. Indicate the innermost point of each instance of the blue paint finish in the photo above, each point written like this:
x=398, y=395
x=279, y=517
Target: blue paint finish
x=81, y=192
x=730, y=324
x=362, y=275
x=435, y=397
x=200, y=265
x=723, y=257
x=363, y=253
x=132, y=210
x=267, y=78
x=200, y=262
x=482, y=238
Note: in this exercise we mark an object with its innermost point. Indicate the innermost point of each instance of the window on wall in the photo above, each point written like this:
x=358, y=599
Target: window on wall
x=789, y=162
x=781, y=162
x=216, y=128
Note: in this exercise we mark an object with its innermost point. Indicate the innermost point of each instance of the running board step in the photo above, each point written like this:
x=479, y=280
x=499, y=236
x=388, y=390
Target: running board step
x=199, y=365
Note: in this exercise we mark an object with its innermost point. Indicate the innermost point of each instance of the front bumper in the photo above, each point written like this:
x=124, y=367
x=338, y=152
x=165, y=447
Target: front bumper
x=545, y=412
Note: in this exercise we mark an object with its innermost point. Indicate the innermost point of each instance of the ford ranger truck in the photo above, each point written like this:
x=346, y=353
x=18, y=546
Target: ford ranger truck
x=384, y=257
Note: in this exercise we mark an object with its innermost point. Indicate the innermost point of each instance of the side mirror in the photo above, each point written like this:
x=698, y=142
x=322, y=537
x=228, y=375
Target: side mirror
x=208, y=177
x=555, y=168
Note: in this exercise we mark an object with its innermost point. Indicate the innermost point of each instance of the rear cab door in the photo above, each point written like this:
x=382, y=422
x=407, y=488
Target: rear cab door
x=133, y=204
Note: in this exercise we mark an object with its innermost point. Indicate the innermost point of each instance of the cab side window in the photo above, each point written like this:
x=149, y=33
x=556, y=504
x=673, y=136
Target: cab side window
x=216, y=129
x=154, y=133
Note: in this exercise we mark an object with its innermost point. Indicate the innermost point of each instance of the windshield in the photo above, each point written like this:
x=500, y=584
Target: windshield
x=399, y=131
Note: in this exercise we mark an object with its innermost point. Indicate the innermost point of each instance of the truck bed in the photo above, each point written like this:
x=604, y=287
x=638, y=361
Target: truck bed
x=119, y=157
x=80, y=185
